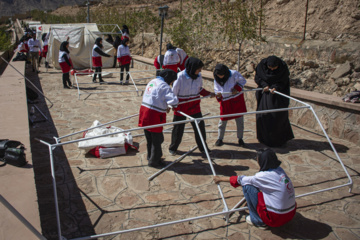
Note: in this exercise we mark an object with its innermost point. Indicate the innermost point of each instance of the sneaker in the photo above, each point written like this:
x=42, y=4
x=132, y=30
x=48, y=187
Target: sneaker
x=248, y=220
x=219, y=142
x=241, y=142
x=94, y=81
x=121, y=83
x=172, y=153
x=126, y=83
x=160, y=164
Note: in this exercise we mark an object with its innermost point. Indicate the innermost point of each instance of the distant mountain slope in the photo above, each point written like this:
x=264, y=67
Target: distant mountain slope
x=11, y=7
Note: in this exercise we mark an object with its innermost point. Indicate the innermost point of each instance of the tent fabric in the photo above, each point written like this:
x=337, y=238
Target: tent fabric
x=81, y=42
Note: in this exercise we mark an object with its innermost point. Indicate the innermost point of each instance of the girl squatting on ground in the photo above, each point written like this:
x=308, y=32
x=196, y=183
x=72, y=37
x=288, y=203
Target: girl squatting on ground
x=269, y=194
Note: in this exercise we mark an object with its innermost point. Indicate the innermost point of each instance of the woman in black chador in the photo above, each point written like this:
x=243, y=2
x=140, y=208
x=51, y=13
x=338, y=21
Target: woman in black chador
x=273, y=129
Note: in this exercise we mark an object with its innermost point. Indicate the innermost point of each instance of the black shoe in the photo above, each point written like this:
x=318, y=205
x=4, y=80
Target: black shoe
x=160, y=164
x=94, y=80
x=203, y=151
x=241, y=143
x=126, y=83
x=66, y=86
x=121, y=82
x=102, y=81
x=172, y=153
x=219, y=142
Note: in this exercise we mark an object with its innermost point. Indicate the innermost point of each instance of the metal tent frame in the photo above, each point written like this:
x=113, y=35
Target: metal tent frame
x=226, y=212
x=128, y=73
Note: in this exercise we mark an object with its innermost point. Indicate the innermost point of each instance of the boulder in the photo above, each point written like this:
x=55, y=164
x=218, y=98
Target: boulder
x=279, y=2
x=310, y=64
x=357, y=86
x=341, y=71
x=250, y=68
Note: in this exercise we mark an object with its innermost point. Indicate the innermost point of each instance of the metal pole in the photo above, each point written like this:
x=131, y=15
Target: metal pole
x=161, y=34
x=160, y=224
x=180, y=122
x=306, y=12
x=88, y=12
x=28, y=81
x=55, y=191
x=21, y=218
x=104, y=124
x=207, y=155
x=169, y=165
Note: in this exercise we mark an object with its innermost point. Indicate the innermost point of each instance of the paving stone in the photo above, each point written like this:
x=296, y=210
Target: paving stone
x=119, y=185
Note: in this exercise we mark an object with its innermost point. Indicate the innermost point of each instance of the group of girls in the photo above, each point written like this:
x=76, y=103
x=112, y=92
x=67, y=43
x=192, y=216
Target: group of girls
x=269, y=193
x=122, y=54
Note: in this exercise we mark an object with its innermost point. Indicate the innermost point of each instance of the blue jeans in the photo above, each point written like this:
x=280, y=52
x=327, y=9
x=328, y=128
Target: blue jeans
x=251, y=196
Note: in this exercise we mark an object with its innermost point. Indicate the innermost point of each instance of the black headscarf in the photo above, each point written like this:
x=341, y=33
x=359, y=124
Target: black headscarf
x=117, y=42
x=281, y=74
x=191, y=65
x=125, y=29
x=169, y=46
x=97, y=42
x=268, y=159
x=109, y=39
x=221, y=69
x=43, y=36
x=63, y=46
x=125, y=40
x=168, y=75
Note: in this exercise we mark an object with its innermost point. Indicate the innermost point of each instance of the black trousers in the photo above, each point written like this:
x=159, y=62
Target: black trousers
x=178, y=132
x=122, y=67
x=154, y=151
x=97, y=70
x=66, y=79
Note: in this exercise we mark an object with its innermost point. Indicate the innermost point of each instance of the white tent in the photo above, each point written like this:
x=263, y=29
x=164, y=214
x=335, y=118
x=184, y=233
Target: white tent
x=81, y=38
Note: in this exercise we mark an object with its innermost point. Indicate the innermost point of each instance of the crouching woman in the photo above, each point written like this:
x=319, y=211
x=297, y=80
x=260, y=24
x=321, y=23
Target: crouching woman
x=269, y=194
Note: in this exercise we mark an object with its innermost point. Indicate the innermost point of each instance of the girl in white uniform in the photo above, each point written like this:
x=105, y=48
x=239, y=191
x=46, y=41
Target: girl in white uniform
x=269, y=194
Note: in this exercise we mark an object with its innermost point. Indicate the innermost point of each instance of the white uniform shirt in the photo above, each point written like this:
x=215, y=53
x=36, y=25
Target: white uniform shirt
x=171, y=57
x=185, y=87
x=123, y=51
x=94, y=53
x=32, y=45
x=277, y=189
x=235, y=79
x=46, y=41
x=156, y=91
x=182, y=54
x=61, y=56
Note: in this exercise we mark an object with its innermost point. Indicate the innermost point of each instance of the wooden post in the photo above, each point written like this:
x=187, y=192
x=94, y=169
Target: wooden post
x=261, y=6
x=307, y=5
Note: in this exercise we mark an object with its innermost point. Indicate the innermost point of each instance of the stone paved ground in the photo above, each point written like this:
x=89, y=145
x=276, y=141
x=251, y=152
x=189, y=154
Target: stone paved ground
x=104, y=195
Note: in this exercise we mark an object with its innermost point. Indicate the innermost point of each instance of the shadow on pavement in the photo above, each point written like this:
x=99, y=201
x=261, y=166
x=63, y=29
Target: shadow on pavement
x=75, y=221
x=301, y=227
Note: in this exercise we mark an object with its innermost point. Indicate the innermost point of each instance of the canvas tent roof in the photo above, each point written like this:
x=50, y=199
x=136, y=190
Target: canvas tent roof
x=81, y=38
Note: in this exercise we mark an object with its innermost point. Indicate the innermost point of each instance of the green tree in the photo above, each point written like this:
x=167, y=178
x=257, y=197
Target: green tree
x=144, y=20
x=5, y=42
x=240, y=19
